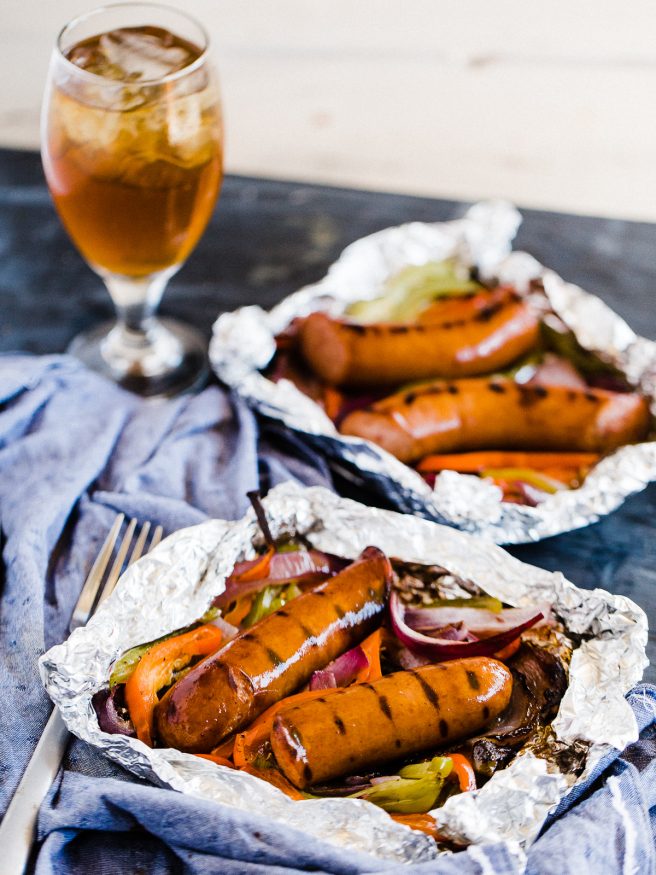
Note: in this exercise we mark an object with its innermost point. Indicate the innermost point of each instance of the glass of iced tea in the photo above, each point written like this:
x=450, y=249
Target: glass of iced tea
x=132, y=147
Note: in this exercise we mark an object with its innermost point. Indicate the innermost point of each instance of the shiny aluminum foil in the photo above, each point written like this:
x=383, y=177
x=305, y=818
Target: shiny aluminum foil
x=174, y=585
x=243, y=344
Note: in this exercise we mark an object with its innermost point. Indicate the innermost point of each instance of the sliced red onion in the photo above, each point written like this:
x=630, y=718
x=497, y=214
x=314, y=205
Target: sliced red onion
x=439, y=650
x=531, y=495
x=451, y=632
x=610, y=382
x=109, y=719
x=324, y=679
x=229, y=631
x=251, y=587
x=342, y=671
x=292, y=565
x=408, y=660
x=480, y=622
x=557, y=371
x=298, y=566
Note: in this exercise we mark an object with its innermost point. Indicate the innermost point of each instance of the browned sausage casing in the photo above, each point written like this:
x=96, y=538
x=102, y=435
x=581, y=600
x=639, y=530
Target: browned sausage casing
x=381, y=354
x=401, y=714
x=274, y=657
x=499, y=414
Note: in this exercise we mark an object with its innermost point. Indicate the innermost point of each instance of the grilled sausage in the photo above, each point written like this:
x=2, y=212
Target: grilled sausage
x=499, y=414
x=367, y=725
x=274, y=657
x=381, y=354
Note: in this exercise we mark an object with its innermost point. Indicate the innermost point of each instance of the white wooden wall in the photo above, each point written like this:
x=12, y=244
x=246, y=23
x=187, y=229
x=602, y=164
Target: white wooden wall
x=552, y=104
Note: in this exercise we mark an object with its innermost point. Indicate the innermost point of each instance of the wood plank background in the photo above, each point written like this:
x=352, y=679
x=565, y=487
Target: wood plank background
x=551, y=105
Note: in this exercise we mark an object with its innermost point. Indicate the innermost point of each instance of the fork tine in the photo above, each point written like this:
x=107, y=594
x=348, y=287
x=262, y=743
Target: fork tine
x=118, y=562
x=140, y=543
x=157, y=537
x=91, y=586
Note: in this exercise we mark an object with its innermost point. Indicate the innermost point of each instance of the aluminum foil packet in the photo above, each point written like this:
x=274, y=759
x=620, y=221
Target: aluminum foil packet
x=243, y=344
x=173, y=585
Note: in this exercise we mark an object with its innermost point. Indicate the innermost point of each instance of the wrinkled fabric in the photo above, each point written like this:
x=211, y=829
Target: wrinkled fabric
x=75, y=450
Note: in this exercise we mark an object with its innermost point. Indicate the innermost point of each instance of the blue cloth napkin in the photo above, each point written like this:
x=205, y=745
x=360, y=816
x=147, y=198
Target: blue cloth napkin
x=74, y=450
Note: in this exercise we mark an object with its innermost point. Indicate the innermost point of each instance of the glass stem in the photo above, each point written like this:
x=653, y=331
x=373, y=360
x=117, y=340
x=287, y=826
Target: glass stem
x=139, y=345
x=136, y=301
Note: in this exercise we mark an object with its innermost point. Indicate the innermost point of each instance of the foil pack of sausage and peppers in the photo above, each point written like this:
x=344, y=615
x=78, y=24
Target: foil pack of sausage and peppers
x=376, y=680
x=456, y=379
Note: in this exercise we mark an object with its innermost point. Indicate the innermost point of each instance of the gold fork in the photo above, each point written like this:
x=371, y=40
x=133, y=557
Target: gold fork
x=18, y=827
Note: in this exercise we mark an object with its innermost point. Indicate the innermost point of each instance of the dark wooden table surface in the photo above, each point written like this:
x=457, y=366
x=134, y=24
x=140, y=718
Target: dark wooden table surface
x=268, y=238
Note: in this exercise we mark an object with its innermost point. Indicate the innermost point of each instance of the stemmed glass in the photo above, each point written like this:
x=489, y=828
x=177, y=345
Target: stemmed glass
x=132, y=148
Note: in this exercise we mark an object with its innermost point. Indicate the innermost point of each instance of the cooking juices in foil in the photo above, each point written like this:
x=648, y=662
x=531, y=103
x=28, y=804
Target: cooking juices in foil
x=175, y=584
x=244, y=345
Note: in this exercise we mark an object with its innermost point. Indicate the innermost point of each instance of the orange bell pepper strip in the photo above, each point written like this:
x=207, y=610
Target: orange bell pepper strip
x=332, y=402
x=421, y=822
x=463, y=770
x=240, y=611
x=259, y=570
x=156, y=669
x=225, y=748
x=220, y=761
x=247, y=744
x=273, y=776
x=371, y=648
x=474, y=462
x=509, y=650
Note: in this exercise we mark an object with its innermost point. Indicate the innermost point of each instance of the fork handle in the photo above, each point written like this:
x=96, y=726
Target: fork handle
x=18, y=827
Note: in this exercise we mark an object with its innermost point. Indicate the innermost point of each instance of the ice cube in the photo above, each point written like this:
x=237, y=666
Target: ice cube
x=141, y=56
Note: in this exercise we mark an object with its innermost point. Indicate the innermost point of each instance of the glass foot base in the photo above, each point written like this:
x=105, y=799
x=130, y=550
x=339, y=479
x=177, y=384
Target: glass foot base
x=166, y=360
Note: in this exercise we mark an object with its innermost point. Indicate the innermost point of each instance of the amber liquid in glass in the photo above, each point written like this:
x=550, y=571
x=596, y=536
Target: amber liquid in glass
x=135, y=178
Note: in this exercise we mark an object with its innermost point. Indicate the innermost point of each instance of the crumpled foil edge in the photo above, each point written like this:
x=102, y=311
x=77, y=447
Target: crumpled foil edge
x=172, y=586
x=243, y=344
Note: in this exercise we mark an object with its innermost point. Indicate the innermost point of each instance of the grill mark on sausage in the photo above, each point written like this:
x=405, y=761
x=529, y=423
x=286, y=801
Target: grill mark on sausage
x=590, y=396
x=486, y=712
x=339, y=723
x=496, y=387
x=339, y=611
x=444, y=728
x=489, y=312
x=384, y=706
x=397, y=742
x=472, y=680
x=452, y=389
x=273, y=656
x=530, y=395
x=355, y=327
x=304, y=629
x=429, y=692
x=307, y=773
x=411, y=397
